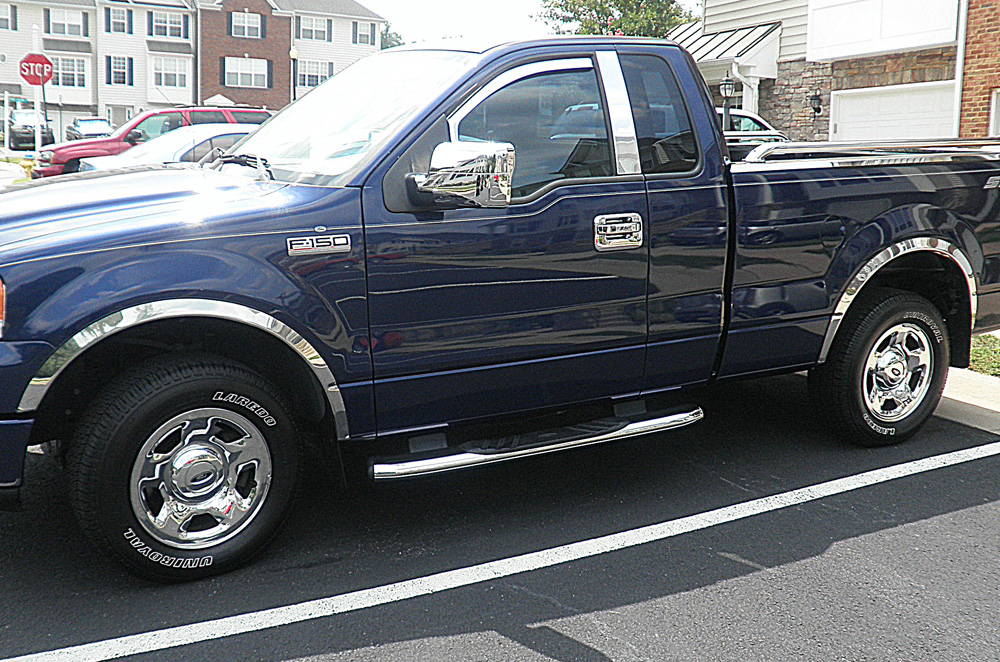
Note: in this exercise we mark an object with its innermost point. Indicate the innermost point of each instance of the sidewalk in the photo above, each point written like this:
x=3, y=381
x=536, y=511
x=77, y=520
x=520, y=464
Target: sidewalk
x=971, y=399
x=10, y=172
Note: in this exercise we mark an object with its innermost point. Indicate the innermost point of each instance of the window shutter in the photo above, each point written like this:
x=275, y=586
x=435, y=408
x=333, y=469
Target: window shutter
x=222, y=71
x=128, y=18
x=329, y=69
x=298, y=27
x=263, y=26
x=371, y=41
x=354, y=32
x=229, y=17
x=107, y=19
x=329, y=29
x=270, y=74
x=129, y=81
x=187, y=26
x=107, y=69
x=86, y=24
x=13, y=18
x=48, y=23
x=149, y=23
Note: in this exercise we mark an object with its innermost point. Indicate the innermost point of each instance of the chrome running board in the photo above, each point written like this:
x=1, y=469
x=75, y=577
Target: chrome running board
x=382, y=471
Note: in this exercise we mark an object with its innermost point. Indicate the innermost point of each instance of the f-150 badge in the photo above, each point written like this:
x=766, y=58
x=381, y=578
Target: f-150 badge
x=319, y=245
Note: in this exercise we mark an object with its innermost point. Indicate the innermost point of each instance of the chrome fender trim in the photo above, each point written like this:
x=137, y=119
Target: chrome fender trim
x=173, y=308
x=930, y=244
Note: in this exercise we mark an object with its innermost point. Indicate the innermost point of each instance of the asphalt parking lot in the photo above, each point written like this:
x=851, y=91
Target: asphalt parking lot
x=903, y=568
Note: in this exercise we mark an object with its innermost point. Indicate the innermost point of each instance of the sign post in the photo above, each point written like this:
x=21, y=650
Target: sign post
x=36, y=69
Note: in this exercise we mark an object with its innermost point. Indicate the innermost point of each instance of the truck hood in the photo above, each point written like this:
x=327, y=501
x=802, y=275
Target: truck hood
x=84, y=147
x=104, y=209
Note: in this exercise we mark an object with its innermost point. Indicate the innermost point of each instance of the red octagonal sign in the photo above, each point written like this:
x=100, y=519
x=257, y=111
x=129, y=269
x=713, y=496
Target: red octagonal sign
x=36, y=69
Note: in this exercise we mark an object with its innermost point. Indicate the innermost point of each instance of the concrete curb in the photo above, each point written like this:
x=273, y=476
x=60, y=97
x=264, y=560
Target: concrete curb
x=971, y=399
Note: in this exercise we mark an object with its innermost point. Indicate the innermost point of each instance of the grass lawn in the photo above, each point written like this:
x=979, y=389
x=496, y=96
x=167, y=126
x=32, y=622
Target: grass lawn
x=986, y=355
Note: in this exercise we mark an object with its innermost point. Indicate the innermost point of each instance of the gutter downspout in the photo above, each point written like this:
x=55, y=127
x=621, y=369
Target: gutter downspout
x=197, y=54
x=963, y=30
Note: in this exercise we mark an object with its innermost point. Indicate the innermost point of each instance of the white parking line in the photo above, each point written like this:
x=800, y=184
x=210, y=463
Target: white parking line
x=380, y=595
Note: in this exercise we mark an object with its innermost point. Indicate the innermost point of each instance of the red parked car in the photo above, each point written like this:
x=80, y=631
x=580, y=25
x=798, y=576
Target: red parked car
x=65, y=157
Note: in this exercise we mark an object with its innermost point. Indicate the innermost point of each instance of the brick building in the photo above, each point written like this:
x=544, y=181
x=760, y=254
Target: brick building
x=981, y=80
x=252, y=49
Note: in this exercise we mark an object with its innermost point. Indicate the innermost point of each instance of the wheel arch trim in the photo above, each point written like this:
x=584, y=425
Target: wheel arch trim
x=176, y=308
x=864, y=274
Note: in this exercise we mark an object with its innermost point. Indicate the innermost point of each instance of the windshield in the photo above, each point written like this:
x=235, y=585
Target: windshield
x=25, y=117
x=94, y=125
x=320, y=138
x=159, y=149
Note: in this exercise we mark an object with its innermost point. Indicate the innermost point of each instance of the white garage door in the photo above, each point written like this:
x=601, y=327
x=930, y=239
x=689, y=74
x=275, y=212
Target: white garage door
x=922, y=110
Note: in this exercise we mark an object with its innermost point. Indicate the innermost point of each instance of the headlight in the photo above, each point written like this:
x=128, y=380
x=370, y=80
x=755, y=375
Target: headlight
x=45, y=157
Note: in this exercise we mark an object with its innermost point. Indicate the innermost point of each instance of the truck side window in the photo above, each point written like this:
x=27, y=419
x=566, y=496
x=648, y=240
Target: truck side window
x=555, y=122
x=662, y=125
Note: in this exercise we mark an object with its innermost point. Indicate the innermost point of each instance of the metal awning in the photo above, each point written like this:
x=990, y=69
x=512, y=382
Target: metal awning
x=727, y=45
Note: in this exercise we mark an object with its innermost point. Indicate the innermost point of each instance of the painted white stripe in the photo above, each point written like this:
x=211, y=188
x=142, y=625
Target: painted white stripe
x=443, y=581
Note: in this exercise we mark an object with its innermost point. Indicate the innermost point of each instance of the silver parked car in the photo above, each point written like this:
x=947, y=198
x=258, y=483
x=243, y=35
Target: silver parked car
x=187, y=144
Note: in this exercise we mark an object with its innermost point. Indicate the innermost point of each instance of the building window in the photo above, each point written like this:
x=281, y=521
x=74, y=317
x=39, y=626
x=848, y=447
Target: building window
x=313, y=73
x=62, y=21
x=8, y=17
x=169, y=72
x=168, y=25
x=312, y=28
x=119, y=20
x=69, y=71
x=246, y=72
x=246, y=25
x=119, y=70
x=363, y=33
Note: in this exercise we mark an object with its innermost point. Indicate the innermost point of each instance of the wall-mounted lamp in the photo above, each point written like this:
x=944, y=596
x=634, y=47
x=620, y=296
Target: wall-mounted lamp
x=816, y=103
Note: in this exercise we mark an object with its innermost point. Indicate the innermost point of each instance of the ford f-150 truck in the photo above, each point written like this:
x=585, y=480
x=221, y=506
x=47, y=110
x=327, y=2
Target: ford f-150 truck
x=473, y=255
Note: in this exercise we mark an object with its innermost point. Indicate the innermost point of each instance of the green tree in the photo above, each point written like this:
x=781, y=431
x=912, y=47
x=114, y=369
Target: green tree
x=390, y=38
x=634, y=18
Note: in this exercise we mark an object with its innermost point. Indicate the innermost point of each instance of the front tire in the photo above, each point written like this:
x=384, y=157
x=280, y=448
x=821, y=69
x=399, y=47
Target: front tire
x=184, y=468
x=886, y=369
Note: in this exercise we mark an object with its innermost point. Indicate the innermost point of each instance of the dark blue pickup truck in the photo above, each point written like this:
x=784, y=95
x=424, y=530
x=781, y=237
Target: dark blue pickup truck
x=448, y=257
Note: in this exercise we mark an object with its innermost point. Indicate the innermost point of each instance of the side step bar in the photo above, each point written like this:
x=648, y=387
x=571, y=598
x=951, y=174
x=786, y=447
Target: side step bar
x=382, y=471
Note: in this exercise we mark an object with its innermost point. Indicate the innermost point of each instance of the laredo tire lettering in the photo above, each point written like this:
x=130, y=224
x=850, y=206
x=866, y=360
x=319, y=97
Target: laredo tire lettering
x=163, y=559
x=878, y=428
x=920, y=317
x=246, y=403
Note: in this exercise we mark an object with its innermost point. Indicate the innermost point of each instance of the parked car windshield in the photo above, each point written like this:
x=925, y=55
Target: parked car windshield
x=336, y=126
x=94, y=125
x=25, y=117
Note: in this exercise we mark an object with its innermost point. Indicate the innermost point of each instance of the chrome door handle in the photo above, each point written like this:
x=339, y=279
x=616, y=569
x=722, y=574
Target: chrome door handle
x=617, y=232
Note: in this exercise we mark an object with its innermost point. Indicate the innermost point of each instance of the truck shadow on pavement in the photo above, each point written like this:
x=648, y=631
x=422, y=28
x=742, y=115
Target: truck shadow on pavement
x=759, y=438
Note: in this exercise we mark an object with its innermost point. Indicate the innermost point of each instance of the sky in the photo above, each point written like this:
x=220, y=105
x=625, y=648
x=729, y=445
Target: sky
x=474, y=19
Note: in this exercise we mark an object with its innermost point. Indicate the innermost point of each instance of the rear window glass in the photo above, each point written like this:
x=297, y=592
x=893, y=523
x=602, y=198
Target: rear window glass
x=662, y=125
x=208, y=117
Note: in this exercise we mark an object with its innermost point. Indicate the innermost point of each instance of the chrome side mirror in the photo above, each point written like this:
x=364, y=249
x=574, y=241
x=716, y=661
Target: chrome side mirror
x=467, y=174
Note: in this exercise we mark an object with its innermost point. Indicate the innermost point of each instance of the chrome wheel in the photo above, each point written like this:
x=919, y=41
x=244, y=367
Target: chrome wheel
x=898, y=372
x=200, y=478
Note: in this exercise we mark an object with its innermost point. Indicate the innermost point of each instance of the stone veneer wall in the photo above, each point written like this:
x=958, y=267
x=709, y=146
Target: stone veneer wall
x=982, y=67
x=785, y=101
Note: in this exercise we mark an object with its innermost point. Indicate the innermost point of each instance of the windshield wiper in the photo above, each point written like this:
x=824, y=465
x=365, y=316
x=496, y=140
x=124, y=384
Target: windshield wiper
x=247, y=160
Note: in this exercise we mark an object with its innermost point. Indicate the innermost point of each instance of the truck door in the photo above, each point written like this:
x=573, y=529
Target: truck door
x=476, y=312
x=688, y=219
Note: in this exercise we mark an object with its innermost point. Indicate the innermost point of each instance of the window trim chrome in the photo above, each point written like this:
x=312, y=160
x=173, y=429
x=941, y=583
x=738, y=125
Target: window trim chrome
x=176, y=308
x=884, y=257
x=626, y=142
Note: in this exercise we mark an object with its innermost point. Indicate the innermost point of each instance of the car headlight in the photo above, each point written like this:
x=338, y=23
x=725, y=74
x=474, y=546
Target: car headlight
x=45, y=157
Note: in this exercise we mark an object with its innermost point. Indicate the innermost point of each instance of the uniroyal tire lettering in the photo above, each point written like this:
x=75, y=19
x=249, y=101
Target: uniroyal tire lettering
x=931, y=324
x=246, y=403
x=163, y=559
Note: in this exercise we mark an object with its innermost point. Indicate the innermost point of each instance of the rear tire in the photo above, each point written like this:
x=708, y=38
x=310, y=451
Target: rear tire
x=184, y=468
x=886, y=370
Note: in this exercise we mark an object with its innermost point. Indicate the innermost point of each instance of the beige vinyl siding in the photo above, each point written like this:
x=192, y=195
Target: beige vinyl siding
x=729, y=14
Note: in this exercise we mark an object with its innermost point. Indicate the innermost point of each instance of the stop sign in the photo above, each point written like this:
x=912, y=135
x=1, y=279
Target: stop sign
x=36, y=69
